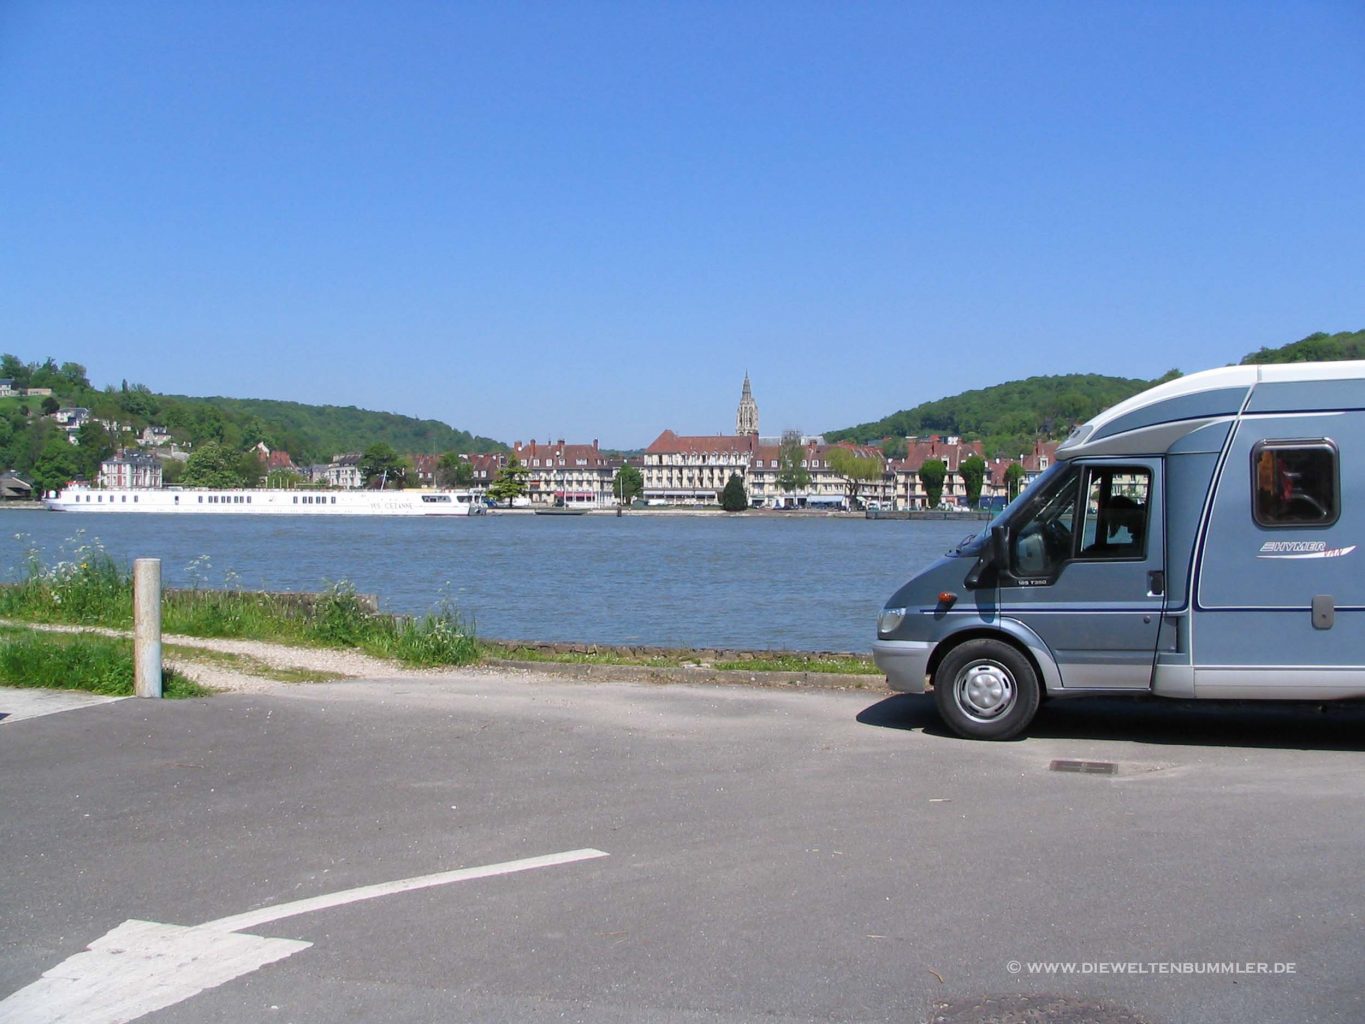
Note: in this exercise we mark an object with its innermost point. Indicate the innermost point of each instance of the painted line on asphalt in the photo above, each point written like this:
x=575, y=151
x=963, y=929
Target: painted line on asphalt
x=256, y=918
x=143, y=966
x=19, y=704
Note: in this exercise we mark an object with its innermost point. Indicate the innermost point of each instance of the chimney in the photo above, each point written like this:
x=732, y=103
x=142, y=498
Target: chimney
x=594, y=444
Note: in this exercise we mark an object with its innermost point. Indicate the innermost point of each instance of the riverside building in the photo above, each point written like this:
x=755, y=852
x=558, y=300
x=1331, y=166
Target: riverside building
x=693, y=469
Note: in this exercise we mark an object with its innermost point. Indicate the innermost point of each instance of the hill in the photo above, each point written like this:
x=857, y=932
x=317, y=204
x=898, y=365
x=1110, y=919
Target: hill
x=1006, y=417
x=313, y=433
x=1314, y=348
x=33, y=443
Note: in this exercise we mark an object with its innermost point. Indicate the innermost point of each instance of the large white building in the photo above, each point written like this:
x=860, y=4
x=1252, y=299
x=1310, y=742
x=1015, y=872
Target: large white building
x=694, y=469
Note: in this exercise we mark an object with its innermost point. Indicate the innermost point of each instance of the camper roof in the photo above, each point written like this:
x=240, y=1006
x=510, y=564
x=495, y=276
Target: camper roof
x=1156, y=418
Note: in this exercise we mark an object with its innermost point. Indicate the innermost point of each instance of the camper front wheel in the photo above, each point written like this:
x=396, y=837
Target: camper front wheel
x=986, y=690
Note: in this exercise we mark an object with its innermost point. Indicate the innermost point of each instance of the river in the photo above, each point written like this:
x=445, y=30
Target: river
x=749, y=582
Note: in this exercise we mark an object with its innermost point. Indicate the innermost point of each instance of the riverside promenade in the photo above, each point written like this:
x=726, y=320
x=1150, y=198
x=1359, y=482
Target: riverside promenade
x=503, y=845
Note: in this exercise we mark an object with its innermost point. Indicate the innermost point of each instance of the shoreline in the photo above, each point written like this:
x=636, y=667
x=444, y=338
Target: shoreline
x=717, y=513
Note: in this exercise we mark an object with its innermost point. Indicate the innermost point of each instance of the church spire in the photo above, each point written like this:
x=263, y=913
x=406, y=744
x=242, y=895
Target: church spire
x=746, y=420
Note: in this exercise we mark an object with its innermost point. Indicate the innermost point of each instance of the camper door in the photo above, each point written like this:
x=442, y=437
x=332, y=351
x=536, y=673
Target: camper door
x=1086, y=571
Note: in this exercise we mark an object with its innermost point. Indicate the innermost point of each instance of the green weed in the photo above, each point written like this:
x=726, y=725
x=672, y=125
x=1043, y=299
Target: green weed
x=89, y=588
x=78, y=661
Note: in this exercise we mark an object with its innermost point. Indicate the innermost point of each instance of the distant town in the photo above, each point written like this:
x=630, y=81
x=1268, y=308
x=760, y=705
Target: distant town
x=735, y=471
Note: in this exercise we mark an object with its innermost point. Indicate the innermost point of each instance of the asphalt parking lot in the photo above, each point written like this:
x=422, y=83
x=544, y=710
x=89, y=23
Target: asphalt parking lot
x=714, y=854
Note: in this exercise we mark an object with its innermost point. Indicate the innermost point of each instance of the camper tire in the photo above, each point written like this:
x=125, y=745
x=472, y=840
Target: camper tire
x=986, y=690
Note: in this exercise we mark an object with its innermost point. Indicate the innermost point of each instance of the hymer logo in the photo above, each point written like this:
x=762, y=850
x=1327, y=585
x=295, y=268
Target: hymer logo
x=1301, y=549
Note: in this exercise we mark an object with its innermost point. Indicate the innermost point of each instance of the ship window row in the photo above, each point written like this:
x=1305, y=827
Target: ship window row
x=312, y=499
x=100, y=498
x=225, y=499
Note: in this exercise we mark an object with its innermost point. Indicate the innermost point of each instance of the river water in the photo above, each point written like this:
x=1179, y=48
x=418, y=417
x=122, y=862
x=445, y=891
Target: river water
x=749, y=582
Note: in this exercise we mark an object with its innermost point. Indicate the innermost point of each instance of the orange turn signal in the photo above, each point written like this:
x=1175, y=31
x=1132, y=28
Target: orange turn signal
x=947, y=598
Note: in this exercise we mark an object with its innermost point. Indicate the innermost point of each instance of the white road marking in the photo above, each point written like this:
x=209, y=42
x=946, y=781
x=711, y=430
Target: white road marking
x=20, y=703
x=143, y=966
x=138, y=968
x=256, y=918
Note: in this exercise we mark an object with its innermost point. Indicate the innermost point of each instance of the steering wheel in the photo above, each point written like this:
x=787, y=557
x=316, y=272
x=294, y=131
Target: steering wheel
x=1057, y=538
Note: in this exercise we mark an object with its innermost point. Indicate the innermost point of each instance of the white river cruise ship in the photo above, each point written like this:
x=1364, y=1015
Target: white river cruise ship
x=211, y=501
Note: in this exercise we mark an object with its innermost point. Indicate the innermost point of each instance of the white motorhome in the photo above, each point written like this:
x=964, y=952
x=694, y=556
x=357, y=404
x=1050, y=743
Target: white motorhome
x=1199, y=540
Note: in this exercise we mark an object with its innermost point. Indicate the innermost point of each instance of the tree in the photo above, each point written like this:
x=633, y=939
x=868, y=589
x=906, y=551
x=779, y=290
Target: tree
x=856, y=469
x=15, y=369
x=49, y=405
x=55, y=466
x=973, y=470
x=383, y=467
x=1013, y=475
x=93, y=446
x=628, y=485
x=792, y=474
x=212, y=465
x=74, y=375
x=454, y=470
x=510, y=482
x=895, y=448
x=733, y=498
x=137, y=401
x=931, y=475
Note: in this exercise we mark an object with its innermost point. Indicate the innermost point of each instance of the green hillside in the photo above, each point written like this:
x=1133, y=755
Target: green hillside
x=314, y=433
x=1007, y=417
x=1319, y=347
x=32, y=443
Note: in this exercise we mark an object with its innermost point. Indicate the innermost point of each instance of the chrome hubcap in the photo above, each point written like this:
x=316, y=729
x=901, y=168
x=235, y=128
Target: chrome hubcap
x=985, y=690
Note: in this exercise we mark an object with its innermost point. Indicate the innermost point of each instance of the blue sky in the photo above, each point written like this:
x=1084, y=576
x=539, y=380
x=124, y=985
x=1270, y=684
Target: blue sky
x=588, y=220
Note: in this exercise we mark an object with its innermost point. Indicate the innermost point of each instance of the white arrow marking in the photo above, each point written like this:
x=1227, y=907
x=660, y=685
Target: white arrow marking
x=143, y=966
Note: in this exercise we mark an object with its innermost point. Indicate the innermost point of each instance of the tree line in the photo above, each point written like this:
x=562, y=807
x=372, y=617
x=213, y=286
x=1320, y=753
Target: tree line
x=222, y=433
x=1007, y=418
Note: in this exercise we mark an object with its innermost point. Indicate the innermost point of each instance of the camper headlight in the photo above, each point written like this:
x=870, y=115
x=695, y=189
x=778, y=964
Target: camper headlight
x=889, y=620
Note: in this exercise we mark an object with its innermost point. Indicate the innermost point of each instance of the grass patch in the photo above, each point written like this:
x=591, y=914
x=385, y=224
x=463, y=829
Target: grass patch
x=847, y=665
x=830, y=663
x=78, y=661
x=88, y=588
x=515, y=652
x=247, y=665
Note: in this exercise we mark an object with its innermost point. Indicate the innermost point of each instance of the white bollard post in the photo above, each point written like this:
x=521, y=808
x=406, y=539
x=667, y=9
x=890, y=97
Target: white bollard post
x=147, y=627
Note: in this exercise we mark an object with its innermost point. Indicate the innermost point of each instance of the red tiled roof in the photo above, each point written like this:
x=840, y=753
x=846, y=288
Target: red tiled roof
x=670, y=443
x=572, y=454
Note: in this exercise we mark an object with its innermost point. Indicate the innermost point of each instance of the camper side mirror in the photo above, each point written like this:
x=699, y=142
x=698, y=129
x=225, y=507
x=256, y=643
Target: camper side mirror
x=1000, y=549
x=993, y=561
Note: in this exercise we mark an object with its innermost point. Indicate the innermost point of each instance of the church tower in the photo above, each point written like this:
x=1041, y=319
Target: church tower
x=746, y=420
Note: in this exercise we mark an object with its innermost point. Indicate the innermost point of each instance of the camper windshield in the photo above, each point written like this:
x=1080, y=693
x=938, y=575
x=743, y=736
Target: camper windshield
x=973, y=544
x=1045, y=524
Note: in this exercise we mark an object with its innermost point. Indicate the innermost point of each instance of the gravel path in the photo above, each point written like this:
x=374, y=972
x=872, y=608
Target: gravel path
x=256, y=666
x=253, y=673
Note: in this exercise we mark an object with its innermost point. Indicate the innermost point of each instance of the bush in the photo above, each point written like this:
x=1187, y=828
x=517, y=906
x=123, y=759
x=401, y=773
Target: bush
x=733, y=498
x=87, y=588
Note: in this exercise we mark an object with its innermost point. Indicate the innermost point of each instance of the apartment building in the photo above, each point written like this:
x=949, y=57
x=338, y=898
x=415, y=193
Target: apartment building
x=568, y=474
x=693, y=470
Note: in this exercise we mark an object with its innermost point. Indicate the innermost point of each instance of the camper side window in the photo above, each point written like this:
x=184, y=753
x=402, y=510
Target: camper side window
x=1115, y=524
x=1294, y=483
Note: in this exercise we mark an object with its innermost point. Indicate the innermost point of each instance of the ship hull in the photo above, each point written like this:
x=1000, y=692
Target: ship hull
x=211, y=501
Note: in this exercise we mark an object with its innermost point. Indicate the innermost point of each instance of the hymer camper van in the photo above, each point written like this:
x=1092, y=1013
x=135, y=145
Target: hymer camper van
x=1201, y=540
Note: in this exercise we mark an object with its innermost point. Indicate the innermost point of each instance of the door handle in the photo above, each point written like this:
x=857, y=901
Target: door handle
x=1156, y=582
